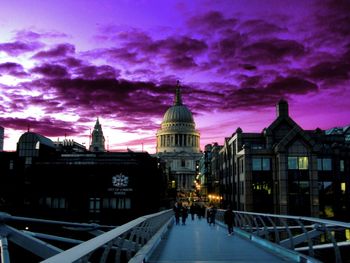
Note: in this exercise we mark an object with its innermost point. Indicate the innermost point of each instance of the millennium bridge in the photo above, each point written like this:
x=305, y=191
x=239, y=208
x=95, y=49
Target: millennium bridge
x=155, y=238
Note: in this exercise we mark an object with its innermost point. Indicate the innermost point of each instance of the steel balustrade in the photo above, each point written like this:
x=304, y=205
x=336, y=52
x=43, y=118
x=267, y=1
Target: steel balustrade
x=299, y=233
x=136, y=238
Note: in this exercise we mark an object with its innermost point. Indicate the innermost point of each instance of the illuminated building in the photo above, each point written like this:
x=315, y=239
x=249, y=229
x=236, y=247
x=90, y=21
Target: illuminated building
x=287, y=170
x=178, y=145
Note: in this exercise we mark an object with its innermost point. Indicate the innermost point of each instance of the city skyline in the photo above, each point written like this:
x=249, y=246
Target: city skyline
x=65, y=63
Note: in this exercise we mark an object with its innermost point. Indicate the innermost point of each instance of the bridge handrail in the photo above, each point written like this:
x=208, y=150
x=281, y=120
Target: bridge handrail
x=291, y=231
x=305, y=218
x=83, y=251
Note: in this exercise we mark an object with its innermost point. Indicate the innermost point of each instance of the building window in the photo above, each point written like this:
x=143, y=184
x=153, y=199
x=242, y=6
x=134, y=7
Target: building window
x=183, y=163
x=342, y=166
x=94, y=206
x=261, y=164
x=54, y=202
x=116, y=203
x=11, y=165
x=324, y=164
x=298, y=163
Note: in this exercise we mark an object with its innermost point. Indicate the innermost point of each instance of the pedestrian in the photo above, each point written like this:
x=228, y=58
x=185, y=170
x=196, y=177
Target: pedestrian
x=176, y=209
x=184, y=214
x=229, y=219
x=212, y=215
x=192, y=211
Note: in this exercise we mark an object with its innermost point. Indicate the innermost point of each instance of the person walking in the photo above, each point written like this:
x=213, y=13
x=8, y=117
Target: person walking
x=229, y=219
x=212, y=215
x=177, y=208
x=192, y=211
x=184, y=214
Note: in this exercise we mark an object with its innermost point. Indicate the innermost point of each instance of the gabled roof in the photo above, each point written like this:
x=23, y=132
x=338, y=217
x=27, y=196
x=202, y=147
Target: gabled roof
x=291, y=135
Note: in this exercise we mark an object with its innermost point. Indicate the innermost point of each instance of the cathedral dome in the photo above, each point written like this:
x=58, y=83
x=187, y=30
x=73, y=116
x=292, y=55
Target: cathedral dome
x=178, y=113
x=178, y=130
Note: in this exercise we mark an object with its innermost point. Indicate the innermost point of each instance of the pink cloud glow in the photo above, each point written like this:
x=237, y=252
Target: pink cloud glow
x=65, y=63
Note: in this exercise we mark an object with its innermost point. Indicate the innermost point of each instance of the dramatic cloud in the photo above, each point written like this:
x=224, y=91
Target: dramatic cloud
x=19, y=47
x=13, y=69
x=58, y=51
x=59, y=74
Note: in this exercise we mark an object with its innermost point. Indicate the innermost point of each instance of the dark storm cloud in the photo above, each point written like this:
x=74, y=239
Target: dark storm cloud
x=272, y=50
x=47, y=126
x=225, y=47
x=106, y=96
x=19, y=47
x=260, y=27
x=60, y=50
x=264, y=96
x=177, y=52
x=71, y=62
x=12, y=69
x=334, y=17
x=330, y=70
x=97, y=72
x=211, y=21
x=51, y=71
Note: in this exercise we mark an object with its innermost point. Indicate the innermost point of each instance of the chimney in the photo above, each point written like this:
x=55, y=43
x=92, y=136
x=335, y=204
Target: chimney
x=282, y=108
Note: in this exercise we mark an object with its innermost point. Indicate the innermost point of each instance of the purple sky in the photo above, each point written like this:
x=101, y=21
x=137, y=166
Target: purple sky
x=65, y=63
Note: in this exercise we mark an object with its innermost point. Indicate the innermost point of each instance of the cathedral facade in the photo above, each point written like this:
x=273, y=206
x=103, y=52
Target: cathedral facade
x=178, y=145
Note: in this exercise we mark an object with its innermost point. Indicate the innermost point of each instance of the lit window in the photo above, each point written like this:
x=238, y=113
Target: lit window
x=342, y=166
x=303, y=163
x=343, y=187
x=298, y=163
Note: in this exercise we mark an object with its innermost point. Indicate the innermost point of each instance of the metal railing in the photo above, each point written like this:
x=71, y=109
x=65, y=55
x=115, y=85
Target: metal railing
x=136, y=239
x=322, y=239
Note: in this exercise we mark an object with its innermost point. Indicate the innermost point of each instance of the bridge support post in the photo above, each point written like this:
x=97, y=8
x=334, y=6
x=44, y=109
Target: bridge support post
x=5, y=257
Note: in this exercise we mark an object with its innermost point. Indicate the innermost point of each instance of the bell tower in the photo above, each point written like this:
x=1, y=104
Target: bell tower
x=97, y=139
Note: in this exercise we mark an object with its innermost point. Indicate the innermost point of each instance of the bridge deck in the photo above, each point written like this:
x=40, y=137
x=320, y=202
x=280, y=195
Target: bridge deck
x=198, y=242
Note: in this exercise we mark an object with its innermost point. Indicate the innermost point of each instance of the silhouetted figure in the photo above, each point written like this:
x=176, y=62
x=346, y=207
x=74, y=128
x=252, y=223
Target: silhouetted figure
x=192, y=211
x=177, y=211
x=184, y=214
x=201, y=212
x=212, y=215
x=229, y=219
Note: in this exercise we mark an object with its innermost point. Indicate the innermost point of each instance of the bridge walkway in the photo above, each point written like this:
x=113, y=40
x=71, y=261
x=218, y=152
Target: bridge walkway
x=198, y=242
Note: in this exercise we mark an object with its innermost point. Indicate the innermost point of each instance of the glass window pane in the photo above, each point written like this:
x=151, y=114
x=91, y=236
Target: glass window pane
x=62, y=202
x=266, y=164
x=105, y=203
x=256, y=164
x=327, y=164
x=127, y=203
x=342, y=165
x=113, y=203
x=319, y=164
x=303, y=163
x=292, y=163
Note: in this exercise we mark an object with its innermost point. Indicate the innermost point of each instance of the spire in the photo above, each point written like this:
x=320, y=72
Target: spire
x=178, y=99
x=97, y=143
